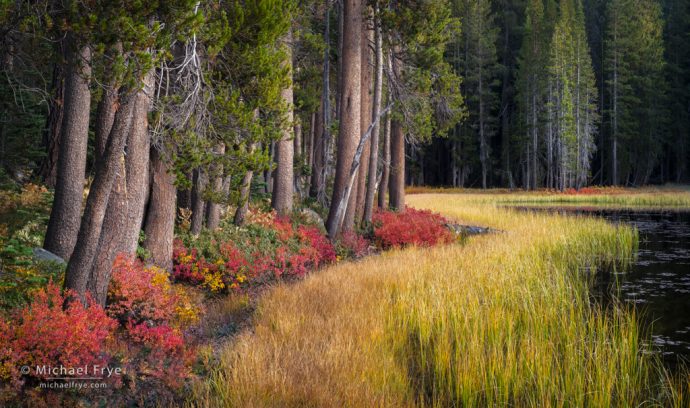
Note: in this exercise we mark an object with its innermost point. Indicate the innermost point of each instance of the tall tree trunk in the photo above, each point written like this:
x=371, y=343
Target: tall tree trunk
x=213, y=207
x=281, y=200
x=79, y=267
x=366, y=115
x=396, y=192
x=125, y=209
x=320, y=147
x=350, y=114
x=137, y=165
x=309, y=148
x=374, y=152
x=198, y=203
x=245, y=190
x=65, y=215
x=160, y=218
x=317, y=185
x=53, y=128
x=385, y=167
x=299, y=158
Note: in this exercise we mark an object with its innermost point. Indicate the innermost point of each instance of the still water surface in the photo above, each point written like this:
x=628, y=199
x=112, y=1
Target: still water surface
x=659, y=282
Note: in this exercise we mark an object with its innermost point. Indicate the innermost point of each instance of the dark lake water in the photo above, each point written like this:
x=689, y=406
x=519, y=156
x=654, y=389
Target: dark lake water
x=659, y=282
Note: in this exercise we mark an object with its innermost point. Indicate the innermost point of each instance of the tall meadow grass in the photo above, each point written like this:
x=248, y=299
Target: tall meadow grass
x=504, y=319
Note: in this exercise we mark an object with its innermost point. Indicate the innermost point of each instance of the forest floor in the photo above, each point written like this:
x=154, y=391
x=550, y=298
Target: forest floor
x=500, y=319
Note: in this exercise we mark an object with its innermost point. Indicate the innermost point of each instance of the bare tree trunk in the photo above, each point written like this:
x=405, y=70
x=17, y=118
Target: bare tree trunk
x=317, y=184
x=137, y=165
x=374, y=152
x=396, y=192
x=385, y=168
x=160, y=218
x=53, y=128
x=198, y=203
x=350, y=114
x=281, y=200
x=366, y=114
x=352, y=176
x=299, y=158
x=79, y=267
x=213, y=207
x=309, y=148
x=65, y=216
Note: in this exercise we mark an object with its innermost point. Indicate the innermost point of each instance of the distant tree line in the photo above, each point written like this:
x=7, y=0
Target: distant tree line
x=563, y=94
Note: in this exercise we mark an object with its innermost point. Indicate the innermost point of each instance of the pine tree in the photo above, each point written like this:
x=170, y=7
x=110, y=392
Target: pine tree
x=531, y=88
x=635, y=82
x=572, y=97
x=481, y=76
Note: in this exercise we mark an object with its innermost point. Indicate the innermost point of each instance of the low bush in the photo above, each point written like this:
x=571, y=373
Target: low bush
x=43, y=333
x=234, y=258
x=153, y=315
x=353, y=245
x=410, y=227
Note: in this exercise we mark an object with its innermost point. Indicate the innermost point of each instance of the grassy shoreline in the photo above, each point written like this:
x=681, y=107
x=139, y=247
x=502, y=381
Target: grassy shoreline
x=666, y=198
x=503, y=319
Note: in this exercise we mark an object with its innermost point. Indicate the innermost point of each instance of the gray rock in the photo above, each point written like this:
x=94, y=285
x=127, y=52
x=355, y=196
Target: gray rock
x=312, y=217
x=465, y=230
x=41, y=254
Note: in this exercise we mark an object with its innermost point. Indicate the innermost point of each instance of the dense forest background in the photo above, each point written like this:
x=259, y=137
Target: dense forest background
x=591, y=92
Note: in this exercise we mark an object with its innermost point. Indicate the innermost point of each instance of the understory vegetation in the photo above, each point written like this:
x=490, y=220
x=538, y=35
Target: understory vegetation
x=160, y=327
x=505, y=319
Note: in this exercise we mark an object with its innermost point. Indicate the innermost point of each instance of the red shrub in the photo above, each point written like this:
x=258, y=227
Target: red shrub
x=313, y=238
x=140, y=294
x=43, y=333
x=410, y=227
x=186, y=266
x=159, y=352
x=355, y=244
x=152, y=314
x=283, y=228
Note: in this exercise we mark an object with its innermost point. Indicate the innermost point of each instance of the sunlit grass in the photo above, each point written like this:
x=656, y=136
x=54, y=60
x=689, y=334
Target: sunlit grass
x=667, y=197
x=503, y=320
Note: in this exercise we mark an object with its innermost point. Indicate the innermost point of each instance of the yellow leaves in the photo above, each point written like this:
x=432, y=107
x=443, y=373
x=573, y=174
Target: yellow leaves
x=213, y=281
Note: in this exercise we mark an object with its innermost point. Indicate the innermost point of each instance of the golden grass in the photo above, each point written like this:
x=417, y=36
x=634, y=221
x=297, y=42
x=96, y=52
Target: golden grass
x=503, y=319
x=666, y=197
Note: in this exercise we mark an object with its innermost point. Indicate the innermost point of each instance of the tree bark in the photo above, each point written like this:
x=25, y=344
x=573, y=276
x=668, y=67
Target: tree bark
x=245, y=189
x=366, y=115
x=65, y=215
x=350, y=115
x=80, y=264
x=385, y=167
x=137, y=165
x=198, y=203
x=374, y=150
x=299, y=158
x=317, y=187
x=53, y=128
x=396, y=192
x=213, y=207
x=160, y=218
x=284, y=176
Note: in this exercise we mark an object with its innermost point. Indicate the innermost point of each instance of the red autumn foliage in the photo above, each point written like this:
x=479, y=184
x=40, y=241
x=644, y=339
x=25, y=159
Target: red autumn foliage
x=324, y=252
x=410, y=227
x=355, y=244
x=186, y=266
x=45, y=333
x=139, y=294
